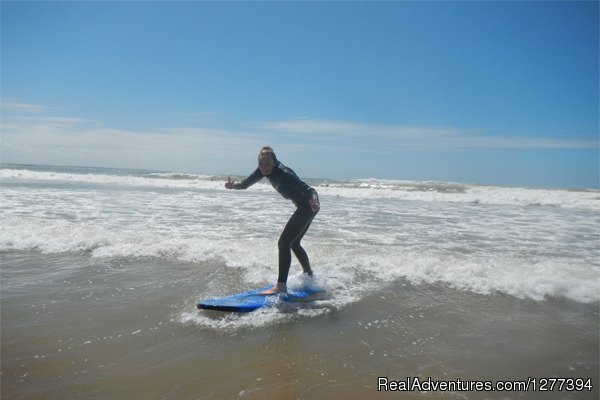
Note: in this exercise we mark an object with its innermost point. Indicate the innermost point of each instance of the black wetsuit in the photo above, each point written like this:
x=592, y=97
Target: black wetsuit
x=287, y=183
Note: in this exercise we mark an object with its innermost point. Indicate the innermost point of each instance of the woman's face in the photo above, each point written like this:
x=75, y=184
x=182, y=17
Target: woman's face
x=266, y=164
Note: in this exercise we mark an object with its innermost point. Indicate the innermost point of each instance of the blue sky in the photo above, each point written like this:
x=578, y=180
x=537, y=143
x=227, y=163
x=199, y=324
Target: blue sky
x=480, y=92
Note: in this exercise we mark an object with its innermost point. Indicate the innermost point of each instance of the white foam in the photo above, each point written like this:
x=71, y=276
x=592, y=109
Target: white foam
x=235, y=322
x=481, y=239
x=356, y=189
x=486, y=276
x=457, y=193
x=152, y=180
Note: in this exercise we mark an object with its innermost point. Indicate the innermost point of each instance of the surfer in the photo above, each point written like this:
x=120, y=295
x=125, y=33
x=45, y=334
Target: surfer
x=306, y=200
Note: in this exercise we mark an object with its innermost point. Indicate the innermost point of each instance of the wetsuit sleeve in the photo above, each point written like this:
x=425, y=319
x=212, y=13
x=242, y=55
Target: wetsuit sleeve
x=249, y=181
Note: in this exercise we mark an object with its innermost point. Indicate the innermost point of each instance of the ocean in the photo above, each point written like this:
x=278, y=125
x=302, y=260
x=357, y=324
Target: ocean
x=426, y=285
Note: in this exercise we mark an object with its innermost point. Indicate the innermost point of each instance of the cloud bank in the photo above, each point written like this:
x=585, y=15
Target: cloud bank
x=34, y=134
x=386, y=137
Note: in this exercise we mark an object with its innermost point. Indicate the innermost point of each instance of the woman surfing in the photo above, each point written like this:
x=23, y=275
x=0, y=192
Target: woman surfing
x=306, y=200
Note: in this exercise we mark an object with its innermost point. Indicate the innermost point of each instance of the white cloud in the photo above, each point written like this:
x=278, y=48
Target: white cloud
x=392, y=138
x=8, y=105
x=315, y=127
x=44, y=139
x=30, y=135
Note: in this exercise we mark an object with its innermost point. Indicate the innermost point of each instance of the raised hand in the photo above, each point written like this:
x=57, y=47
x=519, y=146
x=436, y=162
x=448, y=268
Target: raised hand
x=314, y=204
x=229, y=183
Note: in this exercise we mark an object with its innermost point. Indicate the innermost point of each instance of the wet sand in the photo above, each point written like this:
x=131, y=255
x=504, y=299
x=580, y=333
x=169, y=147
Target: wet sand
x=75, y=327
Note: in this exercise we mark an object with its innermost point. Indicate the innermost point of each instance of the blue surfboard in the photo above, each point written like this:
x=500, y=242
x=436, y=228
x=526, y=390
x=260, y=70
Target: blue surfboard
x=252, y=300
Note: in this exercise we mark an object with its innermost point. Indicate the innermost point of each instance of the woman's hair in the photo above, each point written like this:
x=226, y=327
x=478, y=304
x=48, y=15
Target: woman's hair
x=268, y=151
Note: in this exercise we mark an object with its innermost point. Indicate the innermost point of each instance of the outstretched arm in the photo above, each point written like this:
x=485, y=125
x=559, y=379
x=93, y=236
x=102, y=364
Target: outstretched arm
x=249, y=181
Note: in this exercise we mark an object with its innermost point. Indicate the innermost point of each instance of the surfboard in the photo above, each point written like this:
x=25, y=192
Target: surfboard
x=252, y=300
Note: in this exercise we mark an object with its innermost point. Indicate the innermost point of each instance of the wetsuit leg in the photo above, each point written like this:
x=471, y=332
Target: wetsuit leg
x=300, y=253
x=290, y=240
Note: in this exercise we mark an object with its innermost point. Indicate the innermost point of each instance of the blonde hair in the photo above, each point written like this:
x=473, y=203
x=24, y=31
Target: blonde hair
x=268, y=151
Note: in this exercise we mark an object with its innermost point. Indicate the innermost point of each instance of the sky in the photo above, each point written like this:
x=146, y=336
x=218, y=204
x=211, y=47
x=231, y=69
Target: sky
x=499, y=93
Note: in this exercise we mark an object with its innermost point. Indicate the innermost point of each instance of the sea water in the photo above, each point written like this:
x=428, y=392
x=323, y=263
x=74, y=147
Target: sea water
x=101, y=270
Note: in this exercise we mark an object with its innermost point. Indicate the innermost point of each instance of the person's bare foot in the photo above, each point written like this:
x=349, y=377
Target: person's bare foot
x=279, y=288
